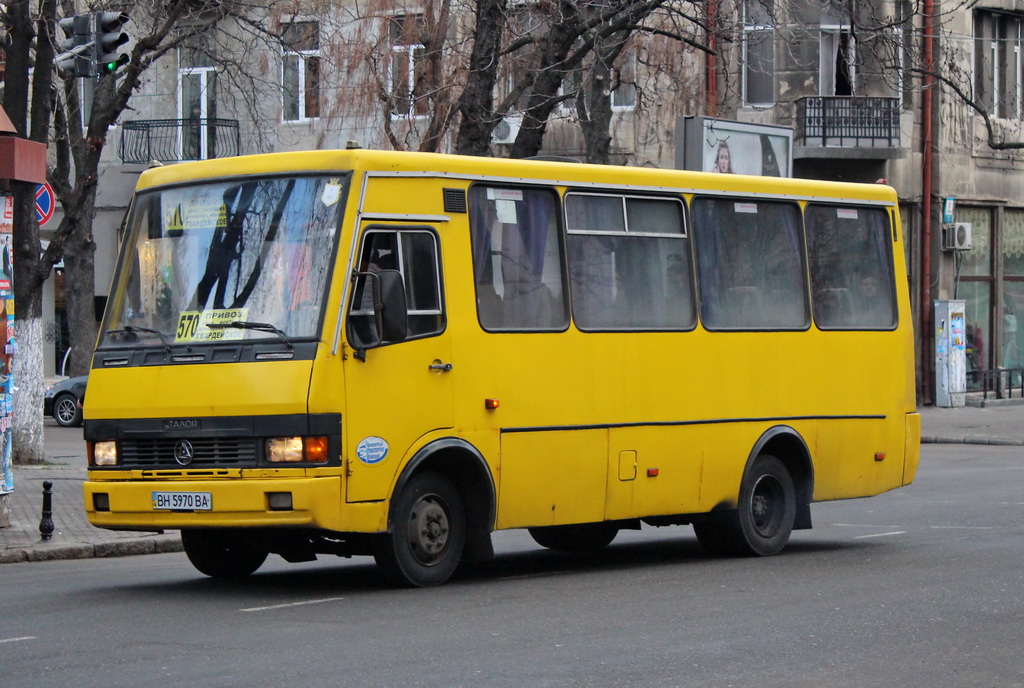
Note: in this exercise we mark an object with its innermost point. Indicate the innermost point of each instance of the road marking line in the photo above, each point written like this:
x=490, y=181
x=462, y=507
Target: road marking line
x=864, y=525
x=963, y=527
x=15, y=640
x=291, y=604
x=895, y=532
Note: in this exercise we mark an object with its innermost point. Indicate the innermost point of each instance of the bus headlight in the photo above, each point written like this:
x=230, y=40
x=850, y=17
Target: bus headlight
x=297, y=450
x=104, y=453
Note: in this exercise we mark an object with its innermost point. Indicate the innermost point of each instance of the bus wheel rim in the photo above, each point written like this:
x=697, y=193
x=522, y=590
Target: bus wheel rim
x=429, y=530
x=767, y=503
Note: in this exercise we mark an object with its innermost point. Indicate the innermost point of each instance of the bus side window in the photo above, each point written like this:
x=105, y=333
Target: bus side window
x=629, y=262
x=517, y=259
x=750, y=262
x=851, y=267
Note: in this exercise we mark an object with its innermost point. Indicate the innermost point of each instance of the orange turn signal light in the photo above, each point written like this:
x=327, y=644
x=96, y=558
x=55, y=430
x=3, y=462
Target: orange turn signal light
x=491, y=404
x=316, y=449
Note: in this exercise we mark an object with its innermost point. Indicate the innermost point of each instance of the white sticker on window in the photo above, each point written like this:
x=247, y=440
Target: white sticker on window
x=746, y=208
x=846, y=213
x=506, y=211
x=331, y=193
x=504, y=194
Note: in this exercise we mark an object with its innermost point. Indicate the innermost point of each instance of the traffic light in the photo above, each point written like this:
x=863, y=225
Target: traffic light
x=76, y=58
x=108, y=38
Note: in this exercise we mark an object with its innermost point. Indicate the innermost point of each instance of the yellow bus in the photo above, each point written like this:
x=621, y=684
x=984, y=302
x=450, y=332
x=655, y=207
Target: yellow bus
x=396, y=354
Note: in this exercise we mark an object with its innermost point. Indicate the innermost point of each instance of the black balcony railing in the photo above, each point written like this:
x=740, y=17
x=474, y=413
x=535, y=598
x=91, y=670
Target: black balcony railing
x=848, y=122
x=176, y=140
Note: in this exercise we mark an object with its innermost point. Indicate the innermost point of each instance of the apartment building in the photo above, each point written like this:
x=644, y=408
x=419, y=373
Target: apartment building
x=850, y=79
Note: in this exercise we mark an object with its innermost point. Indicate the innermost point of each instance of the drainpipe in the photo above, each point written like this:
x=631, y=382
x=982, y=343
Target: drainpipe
x=712, y=67
x=926, y=207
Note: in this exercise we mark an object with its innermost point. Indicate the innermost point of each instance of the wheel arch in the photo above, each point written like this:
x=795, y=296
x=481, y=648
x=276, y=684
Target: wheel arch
x=788, y=446
x=465, y=466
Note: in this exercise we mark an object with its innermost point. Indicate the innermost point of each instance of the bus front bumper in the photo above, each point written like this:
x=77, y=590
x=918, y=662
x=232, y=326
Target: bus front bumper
x=165, y=505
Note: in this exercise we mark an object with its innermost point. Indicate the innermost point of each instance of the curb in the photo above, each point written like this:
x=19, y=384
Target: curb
x=122, y=548
x=972, y=439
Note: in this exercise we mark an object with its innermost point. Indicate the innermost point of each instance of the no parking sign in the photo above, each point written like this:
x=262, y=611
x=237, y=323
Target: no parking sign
x=45, y=202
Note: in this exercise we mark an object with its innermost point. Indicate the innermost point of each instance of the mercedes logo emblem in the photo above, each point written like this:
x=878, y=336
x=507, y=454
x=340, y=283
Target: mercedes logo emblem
x=183, y=453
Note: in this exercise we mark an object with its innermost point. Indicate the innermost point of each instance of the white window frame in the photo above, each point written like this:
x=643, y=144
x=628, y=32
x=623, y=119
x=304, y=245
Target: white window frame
x=302, y=56
x=625, y=87
x=830, y=39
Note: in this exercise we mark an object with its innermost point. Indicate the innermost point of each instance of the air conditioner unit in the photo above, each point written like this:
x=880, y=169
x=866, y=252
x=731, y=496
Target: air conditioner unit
x=956, y=236
x=507, y=129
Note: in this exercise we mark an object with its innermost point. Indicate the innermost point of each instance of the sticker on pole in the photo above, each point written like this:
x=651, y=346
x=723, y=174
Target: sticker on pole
x=45, y=202
x=371, y=450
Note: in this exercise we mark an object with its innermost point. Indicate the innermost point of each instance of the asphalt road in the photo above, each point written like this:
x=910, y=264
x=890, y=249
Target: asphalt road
x=919, y=587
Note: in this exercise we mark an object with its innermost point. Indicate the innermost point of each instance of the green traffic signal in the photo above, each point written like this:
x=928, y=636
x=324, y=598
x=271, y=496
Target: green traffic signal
x=108, y=38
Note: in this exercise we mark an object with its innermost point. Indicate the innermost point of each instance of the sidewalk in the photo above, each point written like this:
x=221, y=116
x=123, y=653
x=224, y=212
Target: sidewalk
x=74, y=538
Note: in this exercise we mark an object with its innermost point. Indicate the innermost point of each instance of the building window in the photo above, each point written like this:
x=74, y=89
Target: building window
x=758, y=53
x=837, y=55
x=300, y=70
x=998, y=55
x=408, y=78
x=624, y=83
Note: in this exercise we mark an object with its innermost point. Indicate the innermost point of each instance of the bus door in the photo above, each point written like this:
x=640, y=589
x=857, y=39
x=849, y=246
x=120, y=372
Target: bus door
x=395, y=392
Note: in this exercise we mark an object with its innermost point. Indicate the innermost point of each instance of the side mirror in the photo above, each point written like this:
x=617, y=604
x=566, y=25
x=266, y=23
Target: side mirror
x=389, y=321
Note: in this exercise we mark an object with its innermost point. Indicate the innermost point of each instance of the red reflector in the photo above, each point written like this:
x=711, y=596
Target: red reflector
x=880, y=456
x=652, y=472
x=492, y=403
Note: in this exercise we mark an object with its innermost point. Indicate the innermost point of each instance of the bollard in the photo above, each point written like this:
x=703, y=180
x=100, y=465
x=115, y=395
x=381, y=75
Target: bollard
x=46, y=524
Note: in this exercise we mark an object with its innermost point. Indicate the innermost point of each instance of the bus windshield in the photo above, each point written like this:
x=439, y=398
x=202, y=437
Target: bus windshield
x=227, y=260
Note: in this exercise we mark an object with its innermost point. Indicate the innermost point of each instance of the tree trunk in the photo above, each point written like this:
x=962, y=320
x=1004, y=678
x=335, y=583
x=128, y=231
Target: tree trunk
x=476, y=104
x=79, y=270
x=27, y=361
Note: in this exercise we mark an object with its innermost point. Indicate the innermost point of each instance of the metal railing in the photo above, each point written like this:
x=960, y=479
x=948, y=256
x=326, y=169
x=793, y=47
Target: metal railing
x=848, y=121
x=1000, y=381
x=177, y=140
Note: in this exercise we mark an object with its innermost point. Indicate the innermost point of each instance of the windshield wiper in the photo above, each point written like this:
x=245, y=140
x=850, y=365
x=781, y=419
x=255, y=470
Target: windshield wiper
x=252, y=325
x=132, y=329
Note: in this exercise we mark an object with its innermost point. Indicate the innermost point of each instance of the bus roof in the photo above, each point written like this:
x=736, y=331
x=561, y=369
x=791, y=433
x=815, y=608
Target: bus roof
x=505, y=169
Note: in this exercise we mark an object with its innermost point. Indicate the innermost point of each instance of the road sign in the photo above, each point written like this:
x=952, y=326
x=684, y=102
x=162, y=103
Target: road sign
x=45, y=202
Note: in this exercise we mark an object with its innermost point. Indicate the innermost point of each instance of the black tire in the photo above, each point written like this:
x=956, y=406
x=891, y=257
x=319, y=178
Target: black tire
x=428, y=533
x=66, y=411
x=583, y=538
x=764, y=518
x=221, y=554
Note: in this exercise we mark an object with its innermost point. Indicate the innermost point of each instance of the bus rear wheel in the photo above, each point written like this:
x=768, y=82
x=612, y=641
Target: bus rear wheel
x=583, y=538
x=428, y=533
x=221, y=554
x=764, y=518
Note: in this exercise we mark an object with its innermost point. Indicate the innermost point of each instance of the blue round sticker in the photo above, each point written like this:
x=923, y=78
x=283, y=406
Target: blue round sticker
x=372, y=450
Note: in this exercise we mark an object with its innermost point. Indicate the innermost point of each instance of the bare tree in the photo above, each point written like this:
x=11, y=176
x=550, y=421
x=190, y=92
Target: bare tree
x=57, y=115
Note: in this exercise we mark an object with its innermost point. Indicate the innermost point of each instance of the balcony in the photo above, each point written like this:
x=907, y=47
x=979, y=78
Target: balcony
x=178, y=140
x=848, y=122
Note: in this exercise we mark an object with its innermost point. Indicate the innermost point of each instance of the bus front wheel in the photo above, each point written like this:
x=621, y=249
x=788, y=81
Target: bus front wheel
x=764, y=518
x=583, y=538
x=428, y=533
x=221, y=554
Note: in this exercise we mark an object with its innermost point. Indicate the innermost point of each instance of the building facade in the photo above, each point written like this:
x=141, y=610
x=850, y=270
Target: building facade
x=929, y=100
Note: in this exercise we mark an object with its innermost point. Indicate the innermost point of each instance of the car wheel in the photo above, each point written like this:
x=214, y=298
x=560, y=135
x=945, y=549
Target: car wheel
x=763, y=520
x=428, y=533
x=66, y=411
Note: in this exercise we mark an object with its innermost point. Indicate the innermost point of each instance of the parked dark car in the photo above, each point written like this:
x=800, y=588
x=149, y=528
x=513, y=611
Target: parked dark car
x=64, y=400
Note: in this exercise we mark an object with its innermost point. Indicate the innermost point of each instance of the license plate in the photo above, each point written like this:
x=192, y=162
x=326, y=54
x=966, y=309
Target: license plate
x=183, y=501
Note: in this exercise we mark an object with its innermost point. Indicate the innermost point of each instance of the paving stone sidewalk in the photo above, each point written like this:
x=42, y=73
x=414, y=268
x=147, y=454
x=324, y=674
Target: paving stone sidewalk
x=75, y=538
